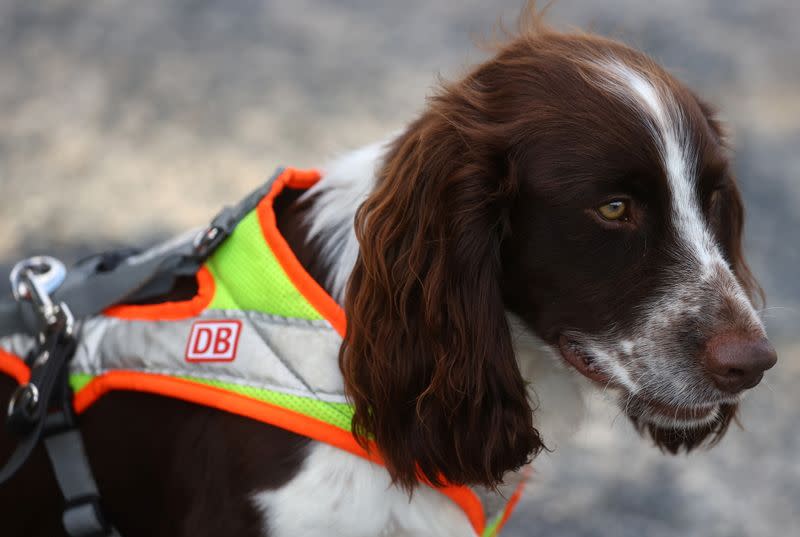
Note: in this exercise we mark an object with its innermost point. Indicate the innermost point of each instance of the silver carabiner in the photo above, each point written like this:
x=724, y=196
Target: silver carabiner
x=35, y=279
x=48, y=272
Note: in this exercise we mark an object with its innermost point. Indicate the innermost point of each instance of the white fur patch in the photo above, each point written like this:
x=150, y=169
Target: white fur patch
x=339, y=494
x=556, y=392
x=346, y=182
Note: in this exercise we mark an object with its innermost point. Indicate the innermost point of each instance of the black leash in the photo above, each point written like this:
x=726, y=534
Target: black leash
x=30, y=403
x=41, y=410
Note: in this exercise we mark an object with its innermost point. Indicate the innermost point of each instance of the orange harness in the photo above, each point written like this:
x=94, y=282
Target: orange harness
x=215, y=352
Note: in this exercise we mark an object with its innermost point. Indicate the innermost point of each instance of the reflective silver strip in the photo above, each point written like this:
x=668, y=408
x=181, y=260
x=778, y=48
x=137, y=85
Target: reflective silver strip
x=292, y=356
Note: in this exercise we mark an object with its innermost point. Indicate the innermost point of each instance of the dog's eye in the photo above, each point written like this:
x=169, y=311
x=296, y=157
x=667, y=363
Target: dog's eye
x=614, y=210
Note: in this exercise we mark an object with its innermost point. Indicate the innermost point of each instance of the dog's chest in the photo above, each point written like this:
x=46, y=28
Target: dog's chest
x=337, y=493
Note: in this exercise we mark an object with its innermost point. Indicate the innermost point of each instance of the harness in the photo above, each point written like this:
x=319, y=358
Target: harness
x=257, y=337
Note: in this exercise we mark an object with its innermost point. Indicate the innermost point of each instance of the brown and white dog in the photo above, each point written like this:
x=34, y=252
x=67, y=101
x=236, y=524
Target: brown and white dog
x=563, y=216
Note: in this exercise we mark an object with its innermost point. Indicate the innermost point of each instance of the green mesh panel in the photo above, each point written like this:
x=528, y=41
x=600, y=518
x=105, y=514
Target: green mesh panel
x=338, y=414
x=248, y=276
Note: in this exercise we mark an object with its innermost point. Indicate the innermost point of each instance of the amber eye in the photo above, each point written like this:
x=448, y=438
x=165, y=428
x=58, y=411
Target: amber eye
x=614, y=210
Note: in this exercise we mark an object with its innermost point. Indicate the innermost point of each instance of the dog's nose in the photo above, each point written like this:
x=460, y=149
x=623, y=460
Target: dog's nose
x=737, y=362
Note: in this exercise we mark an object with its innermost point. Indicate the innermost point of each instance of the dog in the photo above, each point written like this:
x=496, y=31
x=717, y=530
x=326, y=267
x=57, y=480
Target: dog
x=563, y=218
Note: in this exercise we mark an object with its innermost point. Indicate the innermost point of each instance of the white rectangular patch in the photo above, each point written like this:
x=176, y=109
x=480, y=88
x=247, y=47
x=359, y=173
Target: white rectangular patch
x=213, y=341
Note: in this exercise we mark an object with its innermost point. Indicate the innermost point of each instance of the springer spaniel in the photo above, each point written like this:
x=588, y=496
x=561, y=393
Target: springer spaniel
x=564, y=216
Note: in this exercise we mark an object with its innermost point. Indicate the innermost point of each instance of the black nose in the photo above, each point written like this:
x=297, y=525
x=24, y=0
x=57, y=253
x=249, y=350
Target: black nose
x=737, y=362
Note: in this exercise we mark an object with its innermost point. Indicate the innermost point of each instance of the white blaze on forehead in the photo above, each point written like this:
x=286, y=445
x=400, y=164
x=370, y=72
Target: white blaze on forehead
x=666, y=122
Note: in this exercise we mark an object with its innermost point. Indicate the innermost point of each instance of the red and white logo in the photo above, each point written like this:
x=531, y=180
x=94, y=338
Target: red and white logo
x=213, y=341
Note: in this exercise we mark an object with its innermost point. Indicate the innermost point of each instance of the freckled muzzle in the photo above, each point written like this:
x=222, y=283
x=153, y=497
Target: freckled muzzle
x=696, y=347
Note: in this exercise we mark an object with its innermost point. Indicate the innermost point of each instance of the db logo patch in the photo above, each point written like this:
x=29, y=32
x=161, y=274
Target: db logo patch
x=213, y=341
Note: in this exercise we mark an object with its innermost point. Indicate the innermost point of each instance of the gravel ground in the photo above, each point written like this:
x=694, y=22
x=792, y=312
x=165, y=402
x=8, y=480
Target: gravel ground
x=127, y=121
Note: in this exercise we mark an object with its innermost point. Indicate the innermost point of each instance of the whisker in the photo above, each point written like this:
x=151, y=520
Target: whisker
x=769, y=308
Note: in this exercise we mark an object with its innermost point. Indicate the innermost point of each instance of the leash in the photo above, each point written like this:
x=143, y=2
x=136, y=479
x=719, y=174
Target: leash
x=41, y=410
x=29, y=404
x=49, y=304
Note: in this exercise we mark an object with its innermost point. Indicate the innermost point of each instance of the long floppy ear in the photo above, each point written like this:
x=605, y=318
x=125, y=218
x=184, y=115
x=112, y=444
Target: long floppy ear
x=428, y=359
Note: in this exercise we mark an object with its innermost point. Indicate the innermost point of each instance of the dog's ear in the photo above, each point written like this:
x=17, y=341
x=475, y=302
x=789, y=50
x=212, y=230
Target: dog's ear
x=428, y=359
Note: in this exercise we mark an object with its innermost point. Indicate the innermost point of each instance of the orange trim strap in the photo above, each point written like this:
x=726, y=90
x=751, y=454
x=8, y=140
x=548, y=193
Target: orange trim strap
x=308, y=287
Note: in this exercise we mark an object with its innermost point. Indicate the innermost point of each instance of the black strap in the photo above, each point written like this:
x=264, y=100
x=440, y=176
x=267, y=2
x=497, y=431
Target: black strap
x=43, y=411
x=88, y=293
x=83, y=514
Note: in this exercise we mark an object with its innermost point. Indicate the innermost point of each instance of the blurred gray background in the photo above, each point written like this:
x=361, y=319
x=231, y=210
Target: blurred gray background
x=123, y=122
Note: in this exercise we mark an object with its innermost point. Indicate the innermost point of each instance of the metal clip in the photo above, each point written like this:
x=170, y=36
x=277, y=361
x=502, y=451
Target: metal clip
x=221, y=226
x=24, y=398
x=35, y=279
x=48, y=271
x=207, y=240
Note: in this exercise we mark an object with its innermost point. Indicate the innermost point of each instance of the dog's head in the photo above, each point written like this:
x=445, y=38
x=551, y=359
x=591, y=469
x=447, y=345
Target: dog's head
x=573, y=182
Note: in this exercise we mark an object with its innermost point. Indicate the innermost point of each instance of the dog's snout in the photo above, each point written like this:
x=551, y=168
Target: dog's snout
x=737, y=362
